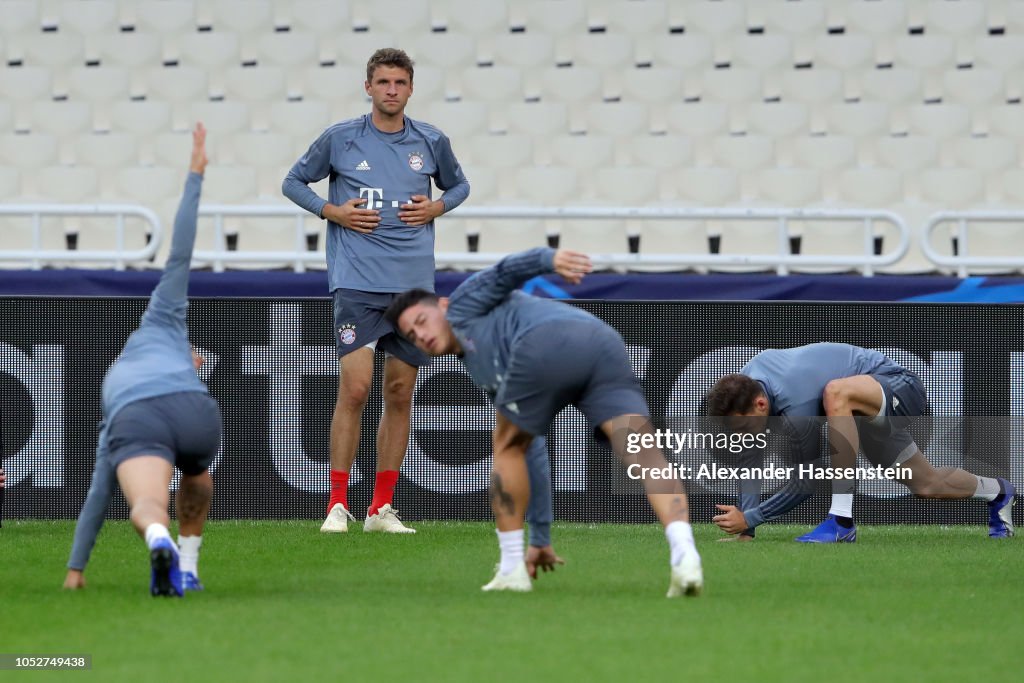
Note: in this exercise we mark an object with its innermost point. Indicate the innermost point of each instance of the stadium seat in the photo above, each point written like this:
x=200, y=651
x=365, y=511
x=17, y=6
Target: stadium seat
x=939, y=120
x=883, y=21
x=134, y=50
x=547, y=185
x=594, y=235
x=871, y=187
x=243, y=16
x=700, y=121
x=963, y=20
x=909, y=153
x=690, y=52
x=813, y=87
x=495, y=84
x=213, y=51
x=303, y=120
x=63, y=184
x=466, y=117
x=6, y=117
x=61, y=118
x=331, y=83
x=744, y=152
x=445, y=50
x=802, y=21
x=291, y=49
x=571, y=84
x=180, y=86
x=626, y=185
x=930, y=55
x=229, y=184
x=268, y=153
x=55, y=50
x=859, y=120
x=10, y=182
x=19, y=18
x=172, y=149
x=788, y=187
x=977, y=88
x=601, y=50
x=778, y=120
x=662, y=152
x=716, y=19
x=500, y=152
x=472, y=17
x=737, y=85
x=165, y=17
x=653, y=85
x=847, y=52
x=405, y=18
x=483, y=180
x=510, y=236
x=107, y=150
x=761, y=51
x=531, y=50
x=89, y=18
x=557, y=17
x=255, y=84
x=827, y=153
x=953, y=188
x=581, y=152
x=897, y=87
x=992, y=155
x=222, y=118
x=142, y=118
x=99, y=85
x=618, y=119
x=149, y=185
x=538, y=118
x=1002, y=52
x=639, y=19
x=323, y=18
x=21, y=86
x=708, y=186
x=1006, y=119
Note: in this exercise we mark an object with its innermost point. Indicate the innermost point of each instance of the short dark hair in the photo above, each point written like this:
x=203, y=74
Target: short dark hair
x=733, y=394
x=405, y=300
x=388, y=56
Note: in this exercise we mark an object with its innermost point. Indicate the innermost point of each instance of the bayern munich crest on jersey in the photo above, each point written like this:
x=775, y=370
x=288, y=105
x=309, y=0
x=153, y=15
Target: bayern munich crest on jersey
x=415, y=161
x=347, y=334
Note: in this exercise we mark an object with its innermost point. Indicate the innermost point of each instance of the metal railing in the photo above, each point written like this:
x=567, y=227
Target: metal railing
x=36, y=257
x=782, y=260
x=962, y=261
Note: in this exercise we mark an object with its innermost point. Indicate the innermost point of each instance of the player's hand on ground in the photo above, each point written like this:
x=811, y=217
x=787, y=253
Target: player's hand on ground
x=198, y=161
x=572, y=265
x=353, y=216
x=731, y=521
x=738, y=538
x=420, y=210
x=545, y=558
x=74, y=580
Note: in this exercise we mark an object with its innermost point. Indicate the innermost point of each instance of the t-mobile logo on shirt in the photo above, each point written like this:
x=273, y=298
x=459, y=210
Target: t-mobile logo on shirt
x=374, y=197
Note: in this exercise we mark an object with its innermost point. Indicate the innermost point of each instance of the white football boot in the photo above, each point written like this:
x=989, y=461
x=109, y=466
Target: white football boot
x=687, y=576
x=386, y=520
x=518, y=580
x=337, y=520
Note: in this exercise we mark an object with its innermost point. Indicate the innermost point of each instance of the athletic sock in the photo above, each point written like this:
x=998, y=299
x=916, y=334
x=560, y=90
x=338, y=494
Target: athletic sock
x=155, y=532
x=339, y=489
x=680, y=541
x=188, y=553
x=383, y=490
x=511, y=544
x=988, y=489
x=842, y=506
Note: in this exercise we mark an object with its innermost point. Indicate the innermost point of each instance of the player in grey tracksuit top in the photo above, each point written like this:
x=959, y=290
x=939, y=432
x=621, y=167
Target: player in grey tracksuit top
x=534, y=357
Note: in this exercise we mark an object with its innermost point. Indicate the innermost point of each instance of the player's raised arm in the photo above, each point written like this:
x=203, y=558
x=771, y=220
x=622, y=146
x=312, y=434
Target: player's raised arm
x=169, y=303
x=488, y=288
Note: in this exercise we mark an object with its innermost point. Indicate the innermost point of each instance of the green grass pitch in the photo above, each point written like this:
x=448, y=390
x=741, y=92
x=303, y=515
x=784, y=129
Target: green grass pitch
x=284, y=602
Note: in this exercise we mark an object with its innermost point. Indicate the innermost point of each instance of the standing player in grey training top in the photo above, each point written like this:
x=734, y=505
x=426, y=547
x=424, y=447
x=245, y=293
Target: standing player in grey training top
x=380, y=241
x=867, y=400
x=533, y=357
x=157, y=415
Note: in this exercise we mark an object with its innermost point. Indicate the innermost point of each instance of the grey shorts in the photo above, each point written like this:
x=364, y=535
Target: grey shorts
x=583, y=363
x=359, y=320
x=183, y=428
x=886, y=440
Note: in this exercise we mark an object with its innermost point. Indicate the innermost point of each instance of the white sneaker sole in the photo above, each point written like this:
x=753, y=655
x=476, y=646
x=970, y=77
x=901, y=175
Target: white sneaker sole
x=687, y=579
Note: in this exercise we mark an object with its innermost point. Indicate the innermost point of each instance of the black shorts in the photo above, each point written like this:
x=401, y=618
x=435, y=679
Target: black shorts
x=359, y=320
x=182, y=428
x=583, y=363
x=886, y=439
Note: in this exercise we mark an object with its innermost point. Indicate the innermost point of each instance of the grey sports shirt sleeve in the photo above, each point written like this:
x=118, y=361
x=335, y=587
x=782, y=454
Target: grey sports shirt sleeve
x=539, y=513
x=168, y=305
x=449, y=177
x=94, y=511
x=488, y=288
x=312, y=167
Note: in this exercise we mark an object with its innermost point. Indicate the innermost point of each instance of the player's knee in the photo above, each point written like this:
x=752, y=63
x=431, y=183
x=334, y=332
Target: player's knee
x=398, y=393
x=834, y=397
x=352, y=394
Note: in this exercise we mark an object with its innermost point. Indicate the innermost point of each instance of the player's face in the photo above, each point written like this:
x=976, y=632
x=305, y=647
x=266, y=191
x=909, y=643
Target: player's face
x=425, y=325
x=390, y=89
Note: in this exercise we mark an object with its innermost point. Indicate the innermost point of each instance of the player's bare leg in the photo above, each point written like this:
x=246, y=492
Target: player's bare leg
x=510, y=494
x=193, y=507
x=144, y=481
x=392, y=443
x=355, y=376
x=667, y=498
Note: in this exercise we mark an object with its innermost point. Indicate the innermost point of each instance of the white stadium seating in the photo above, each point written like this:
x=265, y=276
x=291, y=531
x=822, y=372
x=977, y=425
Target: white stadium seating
x=911, y=105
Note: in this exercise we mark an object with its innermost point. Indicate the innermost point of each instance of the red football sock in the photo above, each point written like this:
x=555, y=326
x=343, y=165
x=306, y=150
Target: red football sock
x=383, y=490
x=339, y=489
